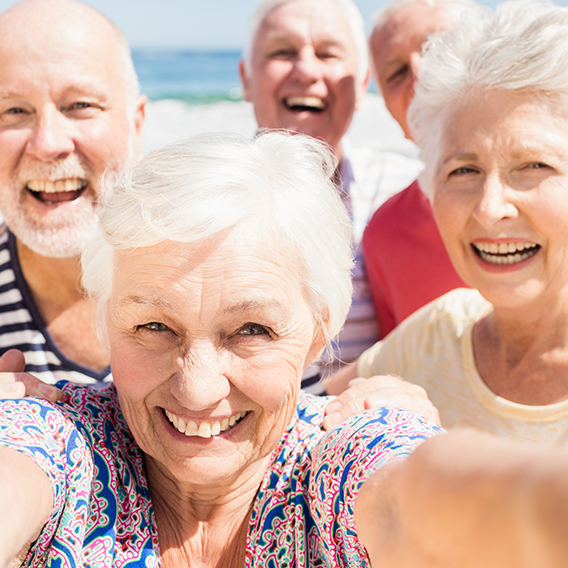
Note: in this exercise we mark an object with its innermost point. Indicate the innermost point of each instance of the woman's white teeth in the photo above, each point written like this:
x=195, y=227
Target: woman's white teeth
x=506, y=253
x=72, y=184
x=205, y=429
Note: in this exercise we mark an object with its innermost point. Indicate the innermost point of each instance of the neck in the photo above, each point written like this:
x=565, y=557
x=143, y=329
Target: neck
x=522, y=354
x=203, y=525
x=54, y=283
x=55, y=287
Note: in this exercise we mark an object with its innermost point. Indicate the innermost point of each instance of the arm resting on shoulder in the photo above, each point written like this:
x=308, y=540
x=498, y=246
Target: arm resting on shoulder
x=471, y=500
x=26, y=503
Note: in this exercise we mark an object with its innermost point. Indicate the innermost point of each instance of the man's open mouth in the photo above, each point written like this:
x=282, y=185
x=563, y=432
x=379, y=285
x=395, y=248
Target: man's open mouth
x=301, y=104
x=59, y=191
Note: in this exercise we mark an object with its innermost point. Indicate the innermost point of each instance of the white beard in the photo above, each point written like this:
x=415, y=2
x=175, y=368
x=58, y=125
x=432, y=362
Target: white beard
x=58, y=235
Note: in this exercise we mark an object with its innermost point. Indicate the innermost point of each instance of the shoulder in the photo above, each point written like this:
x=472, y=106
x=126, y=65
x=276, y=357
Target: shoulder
x=436, y=326
x=97, y=413
x=462, y=305
x=454, y=309
x=367, y=162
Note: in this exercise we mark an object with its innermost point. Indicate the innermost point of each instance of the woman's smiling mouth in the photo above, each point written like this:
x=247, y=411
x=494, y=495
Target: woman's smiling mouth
x=206, y=428
x=505, y=253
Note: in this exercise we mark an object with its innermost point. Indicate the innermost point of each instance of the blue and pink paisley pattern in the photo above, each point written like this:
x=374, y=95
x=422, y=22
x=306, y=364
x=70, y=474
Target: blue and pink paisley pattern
x=103, y=516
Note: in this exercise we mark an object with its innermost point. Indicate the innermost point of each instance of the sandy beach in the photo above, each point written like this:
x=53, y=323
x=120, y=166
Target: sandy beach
x=168, y=120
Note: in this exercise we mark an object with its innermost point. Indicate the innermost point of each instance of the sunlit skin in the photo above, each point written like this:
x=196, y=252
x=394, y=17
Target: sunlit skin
x=206, y=331
x=396, y=52
x=502, y=178
x=64, y=116
x=305, y=49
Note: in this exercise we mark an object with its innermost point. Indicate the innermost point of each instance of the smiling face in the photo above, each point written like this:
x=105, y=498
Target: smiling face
x=303, y=72
x=396, y=52
x=500, y=197
x=208, y=344
x=64, y=122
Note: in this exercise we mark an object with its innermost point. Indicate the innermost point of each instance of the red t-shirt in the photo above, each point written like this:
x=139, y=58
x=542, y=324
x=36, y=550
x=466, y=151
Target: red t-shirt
x=407, y=263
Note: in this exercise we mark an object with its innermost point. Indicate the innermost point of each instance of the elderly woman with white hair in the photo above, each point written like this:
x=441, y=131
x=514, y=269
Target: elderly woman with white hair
x=490, y=115
x=222, y=270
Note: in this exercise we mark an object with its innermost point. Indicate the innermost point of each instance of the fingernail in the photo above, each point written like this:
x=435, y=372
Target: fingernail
x=9, y=388
x=48, y=391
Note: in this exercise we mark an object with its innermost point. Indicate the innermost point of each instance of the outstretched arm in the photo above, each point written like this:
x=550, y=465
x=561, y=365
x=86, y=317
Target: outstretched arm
x=26, y=503
x=470, y=500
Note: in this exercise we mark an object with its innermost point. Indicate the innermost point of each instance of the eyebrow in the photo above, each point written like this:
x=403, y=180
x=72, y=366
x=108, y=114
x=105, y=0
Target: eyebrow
x=253, y=305
x=463, y=156
x=155, y=302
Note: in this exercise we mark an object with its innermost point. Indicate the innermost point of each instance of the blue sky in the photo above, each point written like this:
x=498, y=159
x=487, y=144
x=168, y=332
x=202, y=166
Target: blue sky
x=193, y=23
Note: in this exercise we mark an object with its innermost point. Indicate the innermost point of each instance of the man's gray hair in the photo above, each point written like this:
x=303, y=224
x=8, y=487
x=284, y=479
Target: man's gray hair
x=352, y=15
x=278, y=185
x=452, y=9
x=522, y=48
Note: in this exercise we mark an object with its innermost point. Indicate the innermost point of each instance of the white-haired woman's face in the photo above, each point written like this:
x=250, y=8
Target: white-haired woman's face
x=208, y=344
x=500, y=196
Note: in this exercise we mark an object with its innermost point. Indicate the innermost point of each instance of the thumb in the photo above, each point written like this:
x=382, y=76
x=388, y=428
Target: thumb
x=12, y=362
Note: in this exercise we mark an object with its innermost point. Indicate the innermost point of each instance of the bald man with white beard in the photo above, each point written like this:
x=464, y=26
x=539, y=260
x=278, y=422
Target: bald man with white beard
x=70, y=114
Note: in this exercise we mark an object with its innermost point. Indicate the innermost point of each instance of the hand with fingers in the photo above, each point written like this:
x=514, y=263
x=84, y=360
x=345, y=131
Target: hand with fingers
x=16, y=383
x=376, y=392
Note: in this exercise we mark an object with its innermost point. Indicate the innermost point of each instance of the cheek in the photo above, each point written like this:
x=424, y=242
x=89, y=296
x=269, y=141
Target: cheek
x=272, y=380
x=12, y=144
x=136, y=371
x=449, y=215
x=106, y=142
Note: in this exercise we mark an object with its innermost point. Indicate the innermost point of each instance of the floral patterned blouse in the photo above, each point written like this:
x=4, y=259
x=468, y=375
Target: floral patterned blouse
x=102, y=514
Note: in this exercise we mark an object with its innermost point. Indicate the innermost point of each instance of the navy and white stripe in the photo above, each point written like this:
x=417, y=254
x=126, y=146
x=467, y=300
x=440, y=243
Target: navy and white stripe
x=21, y=327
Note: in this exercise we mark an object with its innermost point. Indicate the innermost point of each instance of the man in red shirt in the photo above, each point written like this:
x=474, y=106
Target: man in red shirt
x=407, y=263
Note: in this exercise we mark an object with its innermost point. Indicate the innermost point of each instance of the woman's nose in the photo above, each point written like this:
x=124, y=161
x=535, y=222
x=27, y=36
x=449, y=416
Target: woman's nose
x=50, y=139
x=494, y=202
x=201, y=382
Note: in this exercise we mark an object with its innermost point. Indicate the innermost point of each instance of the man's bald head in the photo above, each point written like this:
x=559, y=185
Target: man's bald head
x=70, y=114
x=36, y=23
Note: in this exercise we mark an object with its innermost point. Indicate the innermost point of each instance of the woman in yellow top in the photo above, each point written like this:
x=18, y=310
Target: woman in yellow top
x=490, y=115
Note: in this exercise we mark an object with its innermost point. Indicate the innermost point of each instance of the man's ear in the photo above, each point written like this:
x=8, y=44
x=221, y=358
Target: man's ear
x=362, y=89
x=139, y=116
x=244, y=80
x=140, y=113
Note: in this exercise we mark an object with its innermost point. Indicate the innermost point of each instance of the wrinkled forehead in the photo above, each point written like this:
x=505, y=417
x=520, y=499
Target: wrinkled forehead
x=61, y=43
x=411, y=24
x=318, y=19
x=230, y=268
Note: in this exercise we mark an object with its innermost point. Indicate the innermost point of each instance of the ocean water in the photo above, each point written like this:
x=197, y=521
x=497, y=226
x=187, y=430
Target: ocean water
x=192, y=92
x=195, y=77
